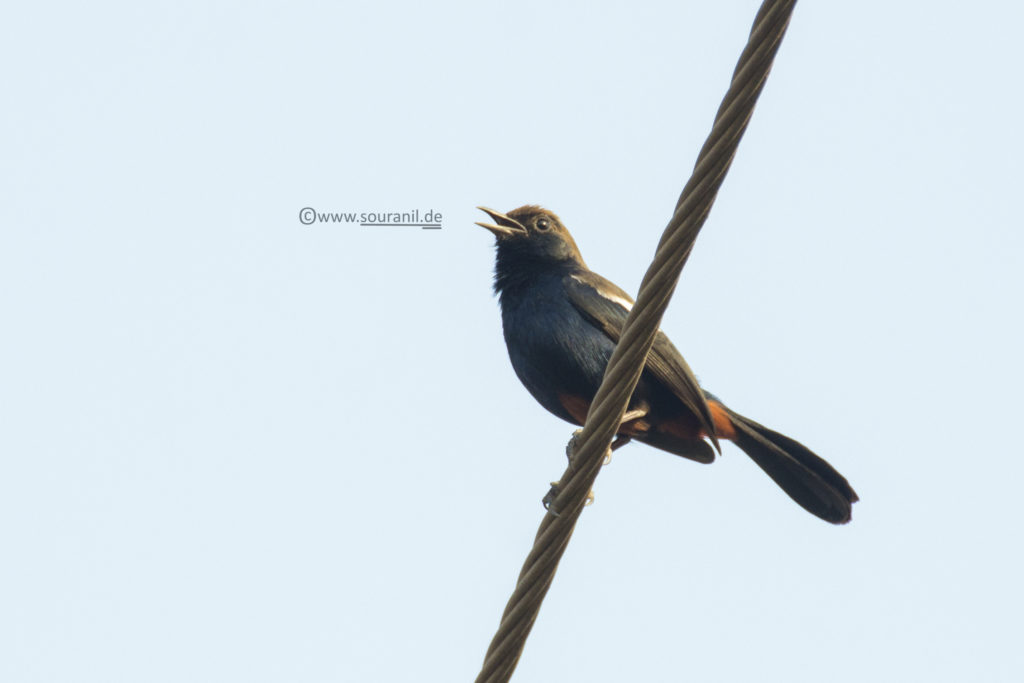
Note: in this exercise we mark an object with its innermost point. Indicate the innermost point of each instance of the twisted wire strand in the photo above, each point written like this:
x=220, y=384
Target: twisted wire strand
x=630, y=353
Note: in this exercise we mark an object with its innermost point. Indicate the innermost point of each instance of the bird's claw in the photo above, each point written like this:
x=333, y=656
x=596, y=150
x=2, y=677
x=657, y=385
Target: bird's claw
x=570, y=448
x=553, y=492
x=549, y=498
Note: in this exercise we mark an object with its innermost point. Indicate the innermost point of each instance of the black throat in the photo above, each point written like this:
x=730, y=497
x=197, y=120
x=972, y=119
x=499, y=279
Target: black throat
x=517, y=267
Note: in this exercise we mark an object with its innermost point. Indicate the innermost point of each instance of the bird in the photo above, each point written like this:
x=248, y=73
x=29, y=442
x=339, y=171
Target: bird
x=561, y=322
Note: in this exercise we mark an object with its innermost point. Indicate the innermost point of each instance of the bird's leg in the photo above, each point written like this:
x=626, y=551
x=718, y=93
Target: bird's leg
x=553, y=492
x=622, y=439
x=631, y=415
x=570, y=448
x=618, y=442
x=570, y=454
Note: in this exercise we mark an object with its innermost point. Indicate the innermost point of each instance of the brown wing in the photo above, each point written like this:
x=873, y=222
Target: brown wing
x=606, y=306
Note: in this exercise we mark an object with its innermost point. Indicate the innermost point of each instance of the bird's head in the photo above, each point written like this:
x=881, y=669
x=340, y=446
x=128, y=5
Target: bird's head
x=530, y=237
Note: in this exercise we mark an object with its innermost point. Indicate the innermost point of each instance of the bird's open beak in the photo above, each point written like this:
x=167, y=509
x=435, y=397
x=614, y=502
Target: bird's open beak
x=503, y=226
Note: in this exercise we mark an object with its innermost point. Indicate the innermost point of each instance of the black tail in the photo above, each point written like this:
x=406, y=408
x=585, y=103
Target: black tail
x=808, y=479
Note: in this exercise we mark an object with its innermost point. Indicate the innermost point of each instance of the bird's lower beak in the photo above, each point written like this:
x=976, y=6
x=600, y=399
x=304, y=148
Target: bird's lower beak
x=503, y=226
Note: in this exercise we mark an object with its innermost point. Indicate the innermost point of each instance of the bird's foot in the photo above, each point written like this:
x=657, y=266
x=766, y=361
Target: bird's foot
x=618, y=442
x=553, y=492
x=570, y=448
x=549, y=498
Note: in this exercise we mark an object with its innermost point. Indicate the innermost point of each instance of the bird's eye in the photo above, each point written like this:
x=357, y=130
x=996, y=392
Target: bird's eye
x=543, y=224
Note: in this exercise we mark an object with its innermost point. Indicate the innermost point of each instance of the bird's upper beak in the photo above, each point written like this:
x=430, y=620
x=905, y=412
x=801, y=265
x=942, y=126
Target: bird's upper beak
x=503, y=226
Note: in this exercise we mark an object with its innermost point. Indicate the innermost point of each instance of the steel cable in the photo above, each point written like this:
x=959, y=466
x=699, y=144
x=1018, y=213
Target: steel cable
x=630, y=354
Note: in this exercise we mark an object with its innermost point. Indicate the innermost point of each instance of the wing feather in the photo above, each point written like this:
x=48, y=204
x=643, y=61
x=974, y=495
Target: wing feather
x=606, y=306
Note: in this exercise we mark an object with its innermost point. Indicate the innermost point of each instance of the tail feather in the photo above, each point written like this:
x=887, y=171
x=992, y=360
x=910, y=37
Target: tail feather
x=695, y=449
x=806, y=477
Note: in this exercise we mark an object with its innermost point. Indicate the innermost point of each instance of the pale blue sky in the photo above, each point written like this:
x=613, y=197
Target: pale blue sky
x=236, y=448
